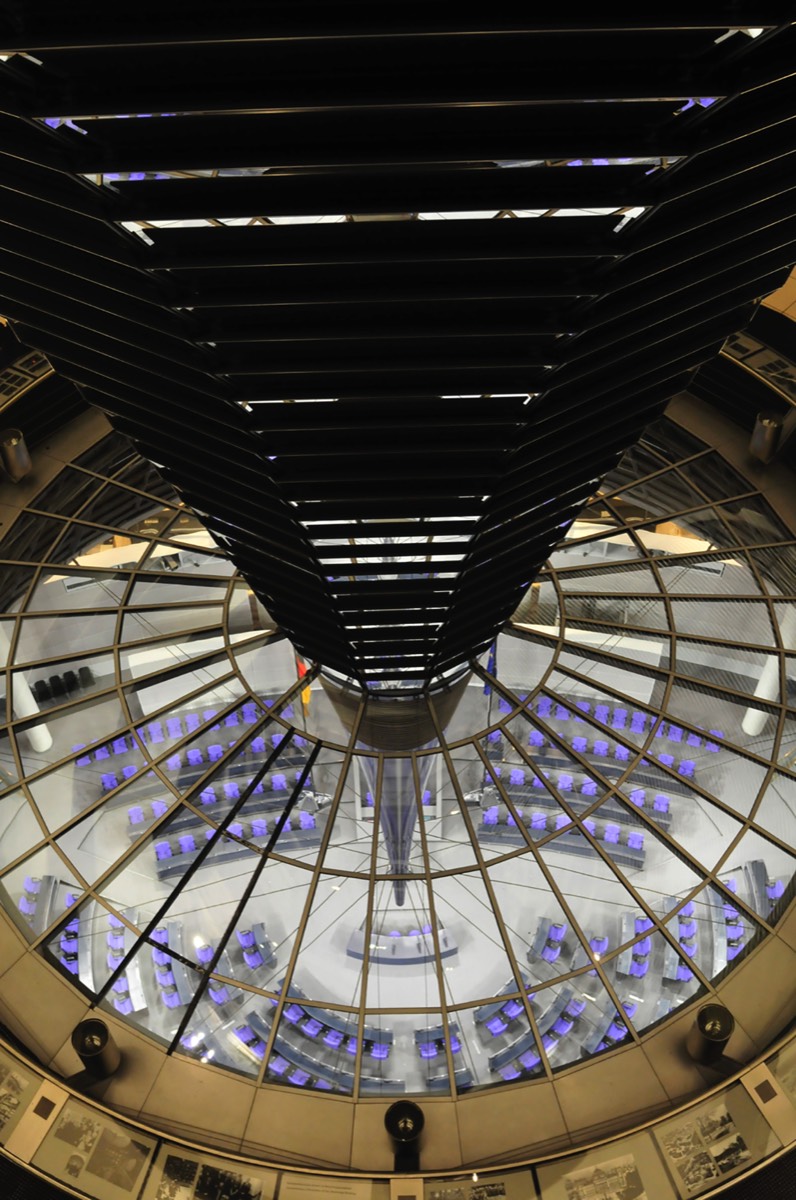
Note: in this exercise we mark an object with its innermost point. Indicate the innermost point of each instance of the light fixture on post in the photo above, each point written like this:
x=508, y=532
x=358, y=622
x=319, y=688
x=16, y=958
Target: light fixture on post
x=93, y=1043
x=14, y=454
x=404, y=1122
x=708, y=1038
x=765, y=437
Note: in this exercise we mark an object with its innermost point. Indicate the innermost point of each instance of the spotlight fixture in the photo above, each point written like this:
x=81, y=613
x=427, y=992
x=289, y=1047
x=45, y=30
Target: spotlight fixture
x=404, y=1122
x=93, y=1043
x=710, y=1034
x=765, y=437
x=14, y=455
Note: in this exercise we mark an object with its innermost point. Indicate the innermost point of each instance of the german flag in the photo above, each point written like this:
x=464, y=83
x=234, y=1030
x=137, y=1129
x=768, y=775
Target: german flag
x=306, y=693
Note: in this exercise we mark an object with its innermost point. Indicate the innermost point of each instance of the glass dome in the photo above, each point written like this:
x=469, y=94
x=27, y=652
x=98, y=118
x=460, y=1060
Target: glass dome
x=263, y=868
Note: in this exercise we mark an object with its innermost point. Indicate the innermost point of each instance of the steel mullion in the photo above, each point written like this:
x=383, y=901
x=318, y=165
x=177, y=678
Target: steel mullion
x=611, y=791
x=432, y=912
x=622, y=879
x=198, y=862
x=516, y=972
x=559, y=896
x=317, y=871
x=656, y=714
x=253, y=880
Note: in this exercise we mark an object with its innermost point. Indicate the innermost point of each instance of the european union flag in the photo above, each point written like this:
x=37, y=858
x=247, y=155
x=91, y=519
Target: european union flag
x=490, y=666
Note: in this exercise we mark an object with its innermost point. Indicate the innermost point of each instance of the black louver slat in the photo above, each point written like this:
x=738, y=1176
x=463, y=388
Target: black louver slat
x=347, y=390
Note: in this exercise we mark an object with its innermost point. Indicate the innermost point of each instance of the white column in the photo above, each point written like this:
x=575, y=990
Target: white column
x=24, y=703
x=768, y=684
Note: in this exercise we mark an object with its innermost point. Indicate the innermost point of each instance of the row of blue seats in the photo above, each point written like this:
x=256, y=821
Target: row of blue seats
x=639, y=962
x=332, y=1022
x=542, y=822
x=122, y=1000
x=617, y=1031
x=616, y=717
x=310, y=1026
x=258, y=828
x=67, y=955
x=164, y=973
x=30, y=896
x=226, y=793
x=565, y=782
x=162, y=963
x=305, y=1063
x=177, y=727
x=289, y=1063
x=275, y=781
x=431, y=1042
x=600, y=748
x=554, y=944
x=522, y=1058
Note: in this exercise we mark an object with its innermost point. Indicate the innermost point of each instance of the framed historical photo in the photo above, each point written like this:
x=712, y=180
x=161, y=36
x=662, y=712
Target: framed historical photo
x=87, y=1150
x=513, y=1185
x=17, y=1089
x=713, y=1141
x=628, y=1170
x=182, y=1174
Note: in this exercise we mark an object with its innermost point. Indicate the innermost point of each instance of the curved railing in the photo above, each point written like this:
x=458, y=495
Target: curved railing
x=695, y=1150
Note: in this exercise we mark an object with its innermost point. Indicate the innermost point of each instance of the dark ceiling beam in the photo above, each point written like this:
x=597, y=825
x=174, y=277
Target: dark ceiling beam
x=64, y=283
x=178, y=359
x=607, y=368
x=469, y=83
x=536, y=476
x=487, y=590
x=391, y=549
x=408, y=590
x=390, y=384
x=503, y=409
x=615, y=376
x=414, y=486
x=385, y=571
x=44, y=26
x=70, y=342
x=263, y=364
x=675, y=65
x=689, y=208
x=363, y=282
x=359, y=529
x=44, y=247
x=383, y=318
x=408, y=438
x=249, y=246
x=704, y=253
x=373, y=137
x=382, y=467
x=407, y=508
x=297, y=194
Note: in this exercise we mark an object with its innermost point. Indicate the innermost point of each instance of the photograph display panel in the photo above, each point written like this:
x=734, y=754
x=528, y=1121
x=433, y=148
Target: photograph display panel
x=783, y=1068
x=714, y=1141
x=630, y=1171
x=88, y=1151
x=313, y=1187
x=179, y=1174
x=17, y=1089
x=515, y=1186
